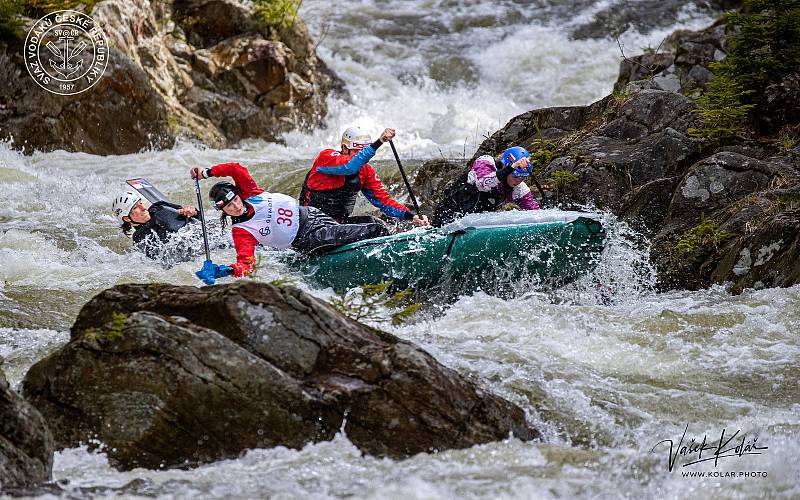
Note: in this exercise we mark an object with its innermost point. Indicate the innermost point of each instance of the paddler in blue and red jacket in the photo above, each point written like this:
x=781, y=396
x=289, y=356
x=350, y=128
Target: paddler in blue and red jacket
x=336, y=178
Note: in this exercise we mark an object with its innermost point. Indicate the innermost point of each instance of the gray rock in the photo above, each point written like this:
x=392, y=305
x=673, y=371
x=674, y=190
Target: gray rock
x=201, y=69
x=642, y=67
x=683, y=70
x=767, y=258
x=121, y=114
x=208, y=22
x=717, y=181
x=176, y=376
x=26, y=445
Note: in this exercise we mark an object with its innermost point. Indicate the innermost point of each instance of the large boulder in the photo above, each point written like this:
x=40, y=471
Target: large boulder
x=26, y=445
x=176, y=376
x=121, y=114
x=613, y=147
x=201, y=69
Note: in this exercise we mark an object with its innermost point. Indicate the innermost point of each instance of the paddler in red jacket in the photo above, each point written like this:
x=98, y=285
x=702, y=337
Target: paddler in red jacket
x=336, y=178
x=274, y=220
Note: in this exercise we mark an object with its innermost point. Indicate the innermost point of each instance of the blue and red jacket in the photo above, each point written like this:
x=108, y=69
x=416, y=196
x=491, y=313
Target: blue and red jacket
x=335, y=179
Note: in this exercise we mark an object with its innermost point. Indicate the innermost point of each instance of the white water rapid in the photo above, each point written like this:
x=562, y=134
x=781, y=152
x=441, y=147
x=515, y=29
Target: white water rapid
x=607, y=380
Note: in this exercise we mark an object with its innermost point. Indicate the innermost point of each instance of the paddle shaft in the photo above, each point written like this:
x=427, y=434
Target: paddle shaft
x=539, y=187
x=202, y=216
x=405, y=179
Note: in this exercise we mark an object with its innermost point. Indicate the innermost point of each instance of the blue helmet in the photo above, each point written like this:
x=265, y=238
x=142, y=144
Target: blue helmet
x=512, y=155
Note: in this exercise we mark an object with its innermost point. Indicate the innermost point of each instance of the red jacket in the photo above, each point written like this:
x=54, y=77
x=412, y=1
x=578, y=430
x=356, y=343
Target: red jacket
x=244, y=242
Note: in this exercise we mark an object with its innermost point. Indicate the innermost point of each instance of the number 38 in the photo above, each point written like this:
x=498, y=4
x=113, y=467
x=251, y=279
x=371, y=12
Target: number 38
x=286, y=213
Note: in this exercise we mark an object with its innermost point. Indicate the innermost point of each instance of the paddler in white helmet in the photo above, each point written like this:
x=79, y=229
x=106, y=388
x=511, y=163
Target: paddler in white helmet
x=337, y=176
x=153, y=224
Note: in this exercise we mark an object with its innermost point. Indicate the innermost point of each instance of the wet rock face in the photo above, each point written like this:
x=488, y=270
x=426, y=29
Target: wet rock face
x=176, y=376
x=120, y=114
x=717, y=181
x=683, y=66
x=26, y=445
x=767, y=258
x=200, y=69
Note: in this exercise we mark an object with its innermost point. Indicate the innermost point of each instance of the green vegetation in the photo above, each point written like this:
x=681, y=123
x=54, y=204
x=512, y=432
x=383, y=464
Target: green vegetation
x=367, y=302
x=283, y=280
x=10, y=22
x=618, y=98
x=705, y=234
x=117, y=325
x=276, y=13
x=561, y=179
x=764, y=40
x=788, y=139
x=11, y=12
x=721, y=108
x=542, y=153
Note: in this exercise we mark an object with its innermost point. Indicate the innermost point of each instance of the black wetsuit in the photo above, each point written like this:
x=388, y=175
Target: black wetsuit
x=164, y=220
x=319, y=233
x=462, y=197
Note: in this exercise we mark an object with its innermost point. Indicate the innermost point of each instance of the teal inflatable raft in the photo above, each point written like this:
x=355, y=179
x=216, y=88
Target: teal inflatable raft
x=478, y=252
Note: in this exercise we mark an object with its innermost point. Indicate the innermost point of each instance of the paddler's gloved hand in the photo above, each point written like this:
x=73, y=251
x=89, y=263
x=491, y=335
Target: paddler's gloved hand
x=504, y=172
x=222, y=271
x=188, y=211
x=199, y=173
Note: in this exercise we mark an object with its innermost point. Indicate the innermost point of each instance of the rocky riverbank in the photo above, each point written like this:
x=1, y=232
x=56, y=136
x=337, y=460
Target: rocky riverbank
x=26, y=444
x=168, y=376
x=207, y=70
x=717, y=211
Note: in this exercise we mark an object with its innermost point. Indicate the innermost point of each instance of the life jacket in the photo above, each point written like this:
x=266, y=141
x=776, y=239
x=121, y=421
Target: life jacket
x=338, y=203
x=274, y=221
x=461, y=198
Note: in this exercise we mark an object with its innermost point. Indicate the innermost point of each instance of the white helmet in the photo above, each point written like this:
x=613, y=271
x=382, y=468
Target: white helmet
x=356, y=137
x=124, y=203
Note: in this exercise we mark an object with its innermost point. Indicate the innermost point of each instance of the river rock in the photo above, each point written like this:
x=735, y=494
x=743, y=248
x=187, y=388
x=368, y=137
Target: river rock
x=121, y=114
x=198, y=69
x=718, y=181
x=685, y=67
x=26, y=444
x=767, y=258
x=175, y=376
